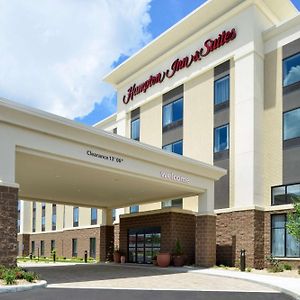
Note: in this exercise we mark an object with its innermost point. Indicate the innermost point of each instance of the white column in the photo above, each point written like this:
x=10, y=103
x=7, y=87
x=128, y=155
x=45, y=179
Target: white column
x=7, y=159
x=206, y=200
x=248, y=114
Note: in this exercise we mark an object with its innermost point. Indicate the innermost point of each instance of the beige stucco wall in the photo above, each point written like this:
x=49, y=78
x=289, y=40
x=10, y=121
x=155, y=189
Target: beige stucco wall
x=272, y=129
x=198, y=124
x=151, y=133
x=231, y=134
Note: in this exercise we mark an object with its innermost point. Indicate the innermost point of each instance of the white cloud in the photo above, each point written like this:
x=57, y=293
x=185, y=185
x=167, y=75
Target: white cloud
x=54, y=53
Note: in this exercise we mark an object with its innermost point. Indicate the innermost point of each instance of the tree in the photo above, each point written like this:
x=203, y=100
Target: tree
x=293, y=223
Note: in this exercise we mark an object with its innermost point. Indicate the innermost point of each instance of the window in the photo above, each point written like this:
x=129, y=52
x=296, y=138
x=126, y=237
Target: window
x=53, y=216
x=135, y=129
x=134, y=209
x=172, y=203
x=33, y=216
x=283, y=244
x=291, y=124
x=175, y=147
x=221, y=90
x=32, y=247
x=221, y=138
x=284, y=194
x=19, y=216
x=113, y=212
x=43, y=216
x=173, y=112
x=53, y=245
x=93, y=247
x=115, y=130
x=75, y=216
x=291, y=70
x=94, y=212
x=74, y=248
x=42, y=248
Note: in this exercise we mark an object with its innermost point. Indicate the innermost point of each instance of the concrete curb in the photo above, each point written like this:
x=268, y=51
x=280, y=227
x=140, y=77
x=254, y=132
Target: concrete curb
x=21, y=288
x=267, y=284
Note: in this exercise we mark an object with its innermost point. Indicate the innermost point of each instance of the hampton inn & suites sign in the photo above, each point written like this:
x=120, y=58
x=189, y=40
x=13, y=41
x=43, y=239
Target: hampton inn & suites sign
x=209, y=46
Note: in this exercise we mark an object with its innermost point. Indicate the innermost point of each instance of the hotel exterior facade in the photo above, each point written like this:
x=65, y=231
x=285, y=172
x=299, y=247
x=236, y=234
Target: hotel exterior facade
x=221, y=87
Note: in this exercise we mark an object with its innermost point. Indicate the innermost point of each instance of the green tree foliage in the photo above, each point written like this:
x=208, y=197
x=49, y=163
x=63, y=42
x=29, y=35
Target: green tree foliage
x=293, y=223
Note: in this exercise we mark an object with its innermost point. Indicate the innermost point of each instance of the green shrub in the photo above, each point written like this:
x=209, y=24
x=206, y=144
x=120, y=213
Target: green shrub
x=248, y=269
x=274, y=265
x=287, y=267
x=9, y=277
x=30, y=276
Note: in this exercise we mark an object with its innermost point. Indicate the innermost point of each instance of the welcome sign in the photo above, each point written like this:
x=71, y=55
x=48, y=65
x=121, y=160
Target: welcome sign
x=209, y=46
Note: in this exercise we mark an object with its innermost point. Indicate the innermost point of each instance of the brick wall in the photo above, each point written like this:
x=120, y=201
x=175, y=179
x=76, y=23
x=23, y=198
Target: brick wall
x=117, y=235
x=24, y=244
x=173, y=226
x=8, y=225
x=205, y=240
x=63, y=241
x=106, y=242
x=241, y=230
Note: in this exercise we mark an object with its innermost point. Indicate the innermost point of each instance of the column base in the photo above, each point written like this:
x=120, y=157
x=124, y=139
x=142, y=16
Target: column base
x=8, y=225
x=106, y=242
x=205, y=236
x=24, y=241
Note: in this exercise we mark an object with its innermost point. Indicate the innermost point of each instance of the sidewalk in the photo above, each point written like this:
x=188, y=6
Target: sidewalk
x=287, y=285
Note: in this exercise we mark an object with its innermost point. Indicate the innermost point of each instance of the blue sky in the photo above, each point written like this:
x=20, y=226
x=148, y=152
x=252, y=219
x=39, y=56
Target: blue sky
x=54, y=53
x=164, y=14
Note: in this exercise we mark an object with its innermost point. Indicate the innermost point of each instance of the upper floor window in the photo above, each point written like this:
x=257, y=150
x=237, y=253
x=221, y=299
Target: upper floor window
x=221, y=138
x=94, y=213
x=33, y=216
x=221, y=90
x=284, y=194
x=172, y=203
x=291, y=69
x=134, y=209
x=113, y=213
x=175, y=147
x=43, y=216
x=135, y=129
x=291, y=124
x=53, y=216
x=172, y=112
x=75, y=216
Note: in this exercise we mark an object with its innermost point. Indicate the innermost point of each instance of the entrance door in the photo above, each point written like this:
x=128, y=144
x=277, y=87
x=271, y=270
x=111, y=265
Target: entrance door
x=143, y=244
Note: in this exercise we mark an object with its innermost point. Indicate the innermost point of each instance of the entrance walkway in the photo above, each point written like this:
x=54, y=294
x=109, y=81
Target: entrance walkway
x=101, y=276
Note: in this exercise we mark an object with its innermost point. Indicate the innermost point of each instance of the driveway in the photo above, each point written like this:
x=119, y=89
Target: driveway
x=102, y=281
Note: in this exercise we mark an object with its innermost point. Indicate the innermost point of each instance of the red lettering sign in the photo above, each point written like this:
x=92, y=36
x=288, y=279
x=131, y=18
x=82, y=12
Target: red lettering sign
x=179, y=64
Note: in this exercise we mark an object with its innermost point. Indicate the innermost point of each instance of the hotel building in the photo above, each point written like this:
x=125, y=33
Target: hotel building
x=222, y=87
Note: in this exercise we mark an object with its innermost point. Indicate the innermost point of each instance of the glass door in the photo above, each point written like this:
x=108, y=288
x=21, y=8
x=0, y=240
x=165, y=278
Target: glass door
x=143, y=244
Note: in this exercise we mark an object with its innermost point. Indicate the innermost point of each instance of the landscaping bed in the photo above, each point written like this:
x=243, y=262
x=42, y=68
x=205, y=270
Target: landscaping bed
x=16, y=276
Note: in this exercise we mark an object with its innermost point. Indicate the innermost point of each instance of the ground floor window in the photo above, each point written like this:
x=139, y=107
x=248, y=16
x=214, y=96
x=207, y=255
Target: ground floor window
x=93, y=247
x=143, y=244
x=283, y=244
x=32, y=247
x=42, y=248
x=52, y=245
x=74, y=248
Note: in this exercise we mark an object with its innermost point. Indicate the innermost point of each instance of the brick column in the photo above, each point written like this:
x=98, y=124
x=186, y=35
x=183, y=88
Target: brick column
x=8, y=225
x=24, y=241
x=205, y=237
x=106, y=242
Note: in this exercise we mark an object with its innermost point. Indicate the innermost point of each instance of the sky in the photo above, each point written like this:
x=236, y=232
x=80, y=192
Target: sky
x=54, y=53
